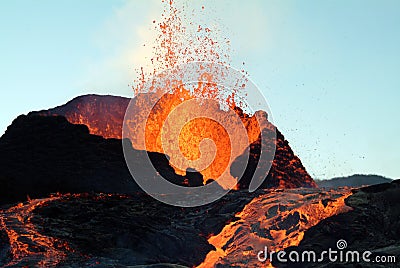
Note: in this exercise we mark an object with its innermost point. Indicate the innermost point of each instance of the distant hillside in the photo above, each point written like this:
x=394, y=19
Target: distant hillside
x=356, y=180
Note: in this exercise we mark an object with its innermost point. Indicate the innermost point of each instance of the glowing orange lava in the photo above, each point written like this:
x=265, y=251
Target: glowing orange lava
x=189, y=137
x=26, y=240
x=276, y=219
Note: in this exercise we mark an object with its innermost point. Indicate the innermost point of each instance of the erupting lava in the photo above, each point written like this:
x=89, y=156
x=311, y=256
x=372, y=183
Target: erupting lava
x=179, y=125
x=193, y=134
x=196, y=137
x=191, y=138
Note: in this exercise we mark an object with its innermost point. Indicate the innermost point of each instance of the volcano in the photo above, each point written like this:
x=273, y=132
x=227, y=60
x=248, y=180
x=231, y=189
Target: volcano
x=73, y=178
x=104, y=115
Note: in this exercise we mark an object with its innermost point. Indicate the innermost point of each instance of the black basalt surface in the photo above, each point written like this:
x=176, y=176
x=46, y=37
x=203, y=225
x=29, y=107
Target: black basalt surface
x=135, y=230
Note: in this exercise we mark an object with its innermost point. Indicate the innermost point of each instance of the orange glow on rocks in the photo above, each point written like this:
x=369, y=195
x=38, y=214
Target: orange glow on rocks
x=201, y=143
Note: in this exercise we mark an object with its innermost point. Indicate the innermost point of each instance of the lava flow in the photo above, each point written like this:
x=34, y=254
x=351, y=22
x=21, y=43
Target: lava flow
x=276, y=219
x=26, y=242
x=273, y=218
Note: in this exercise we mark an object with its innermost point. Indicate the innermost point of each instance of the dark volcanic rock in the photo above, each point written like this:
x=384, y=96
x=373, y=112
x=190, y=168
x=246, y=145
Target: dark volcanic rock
x=357, y=180
x=373, y=225
x=137, y=230
x=5, y=252
x=41, y=155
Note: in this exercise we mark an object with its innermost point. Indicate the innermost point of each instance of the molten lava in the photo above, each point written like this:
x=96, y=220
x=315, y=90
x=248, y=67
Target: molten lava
x=194, y=135
x=276, y=219
x=26, y=241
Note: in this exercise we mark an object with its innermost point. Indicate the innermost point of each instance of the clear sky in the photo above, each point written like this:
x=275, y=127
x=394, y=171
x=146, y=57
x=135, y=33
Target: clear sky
x=329, y=69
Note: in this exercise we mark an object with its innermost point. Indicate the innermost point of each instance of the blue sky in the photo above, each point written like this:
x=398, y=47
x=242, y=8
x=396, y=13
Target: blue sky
x=330, y=70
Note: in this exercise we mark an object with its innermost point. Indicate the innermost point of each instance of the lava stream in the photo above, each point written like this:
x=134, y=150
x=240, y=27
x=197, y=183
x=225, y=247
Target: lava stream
x=277, y=219
x=26, y=240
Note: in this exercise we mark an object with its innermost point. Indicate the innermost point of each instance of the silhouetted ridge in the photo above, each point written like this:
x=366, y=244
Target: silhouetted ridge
x=104, y=116
x=40, y=155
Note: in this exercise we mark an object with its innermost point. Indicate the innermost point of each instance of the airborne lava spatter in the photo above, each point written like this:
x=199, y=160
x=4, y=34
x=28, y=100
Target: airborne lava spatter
x=204, y=144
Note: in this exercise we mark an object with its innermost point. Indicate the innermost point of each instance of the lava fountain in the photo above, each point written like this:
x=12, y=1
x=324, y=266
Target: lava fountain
x=192, y=106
